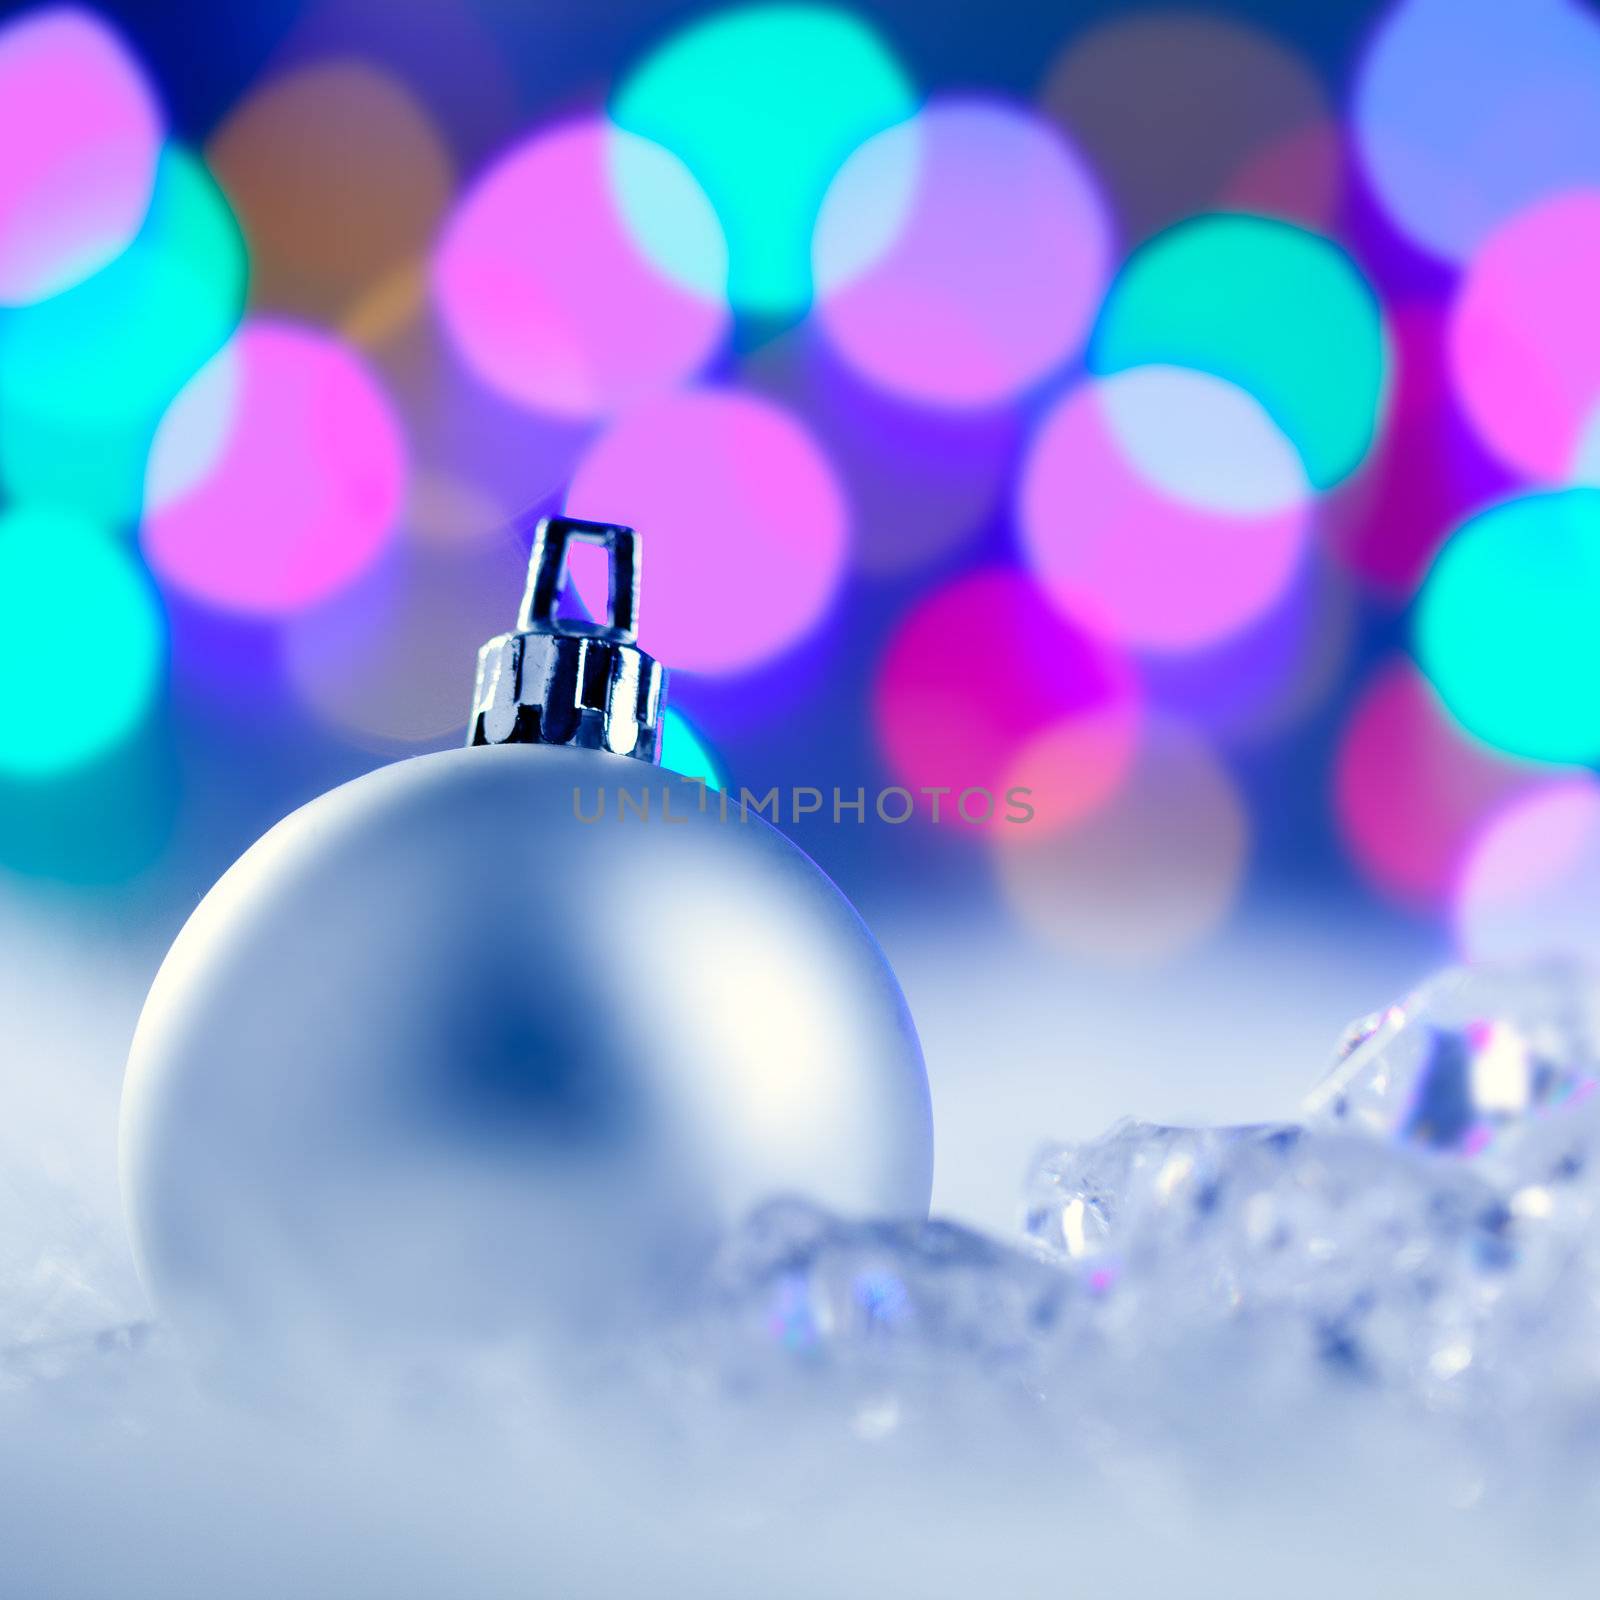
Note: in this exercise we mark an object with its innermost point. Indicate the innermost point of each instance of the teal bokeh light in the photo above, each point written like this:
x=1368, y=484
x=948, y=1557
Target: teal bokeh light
x=1506, y=631
x=82, y=643
x=86, y=375
x=1280, y=312
x=762, y=105
x=683, y=751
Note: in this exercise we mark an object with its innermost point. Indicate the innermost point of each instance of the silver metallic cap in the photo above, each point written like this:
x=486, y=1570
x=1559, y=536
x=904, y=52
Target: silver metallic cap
x=561, y=680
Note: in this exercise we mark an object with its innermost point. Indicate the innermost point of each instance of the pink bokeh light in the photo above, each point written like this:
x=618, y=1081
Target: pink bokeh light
x=1166, y=545
x=276, y=476
x=1524, y=340
x=985, y=685
x=1531, y=885
x=1411, y=789
x=80, y=134
x=987, y=248
x=546, y=292
x=746, y=525
x=1299, y=177
x=1072, y=768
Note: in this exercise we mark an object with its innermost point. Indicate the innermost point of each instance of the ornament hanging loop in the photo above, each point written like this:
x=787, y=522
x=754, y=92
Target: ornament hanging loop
x=547, y=576
x=565, y=680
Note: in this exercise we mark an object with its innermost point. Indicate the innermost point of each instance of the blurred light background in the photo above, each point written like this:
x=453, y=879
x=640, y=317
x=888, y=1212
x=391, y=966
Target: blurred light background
x=1191, y=413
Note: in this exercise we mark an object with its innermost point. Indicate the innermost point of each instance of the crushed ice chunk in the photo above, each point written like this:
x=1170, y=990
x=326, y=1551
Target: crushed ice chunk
x=797, y=1284
x=1090, y=1201
x=1428, y=1235
x=1474, y=1054
x=1352, y=1249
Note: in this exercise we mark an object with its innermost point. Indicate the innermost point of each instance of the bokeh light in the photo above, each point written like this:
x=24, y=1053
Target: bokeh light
x=1051, y=432
x=990, y=270
x=1467, y=111
x=984, y=685
x=463, y=63
x=547, y=294
x=1280, y=312
x=453, y=513
x=1411, y=789
x=276, y=476
x=684, y=751
x=1524, y=342
x=1139, y=880
x=1427, y=471
x=1065, y=772
x=100, y=825
x=80, y=134
x=389, y=660
x=763, y=104
x=1531, y=885
x=1270, y=675
x=458, y=427
x=1201, y=441
x=748, y=526
x=82, y=643
x=1181, y=112
x=85, y=375
x=922, y=480
x=1505, y=627
x=1165, y=505
x=338, y=177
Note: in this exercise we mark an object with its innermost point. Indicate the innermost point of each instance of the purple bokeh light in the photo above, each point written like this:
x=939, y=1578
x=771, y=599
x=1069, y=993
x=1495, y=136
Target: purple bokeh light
x=960, y=256
x=922, y=481
x=1428, y=471
x=1270, y=674
x=1468, y=111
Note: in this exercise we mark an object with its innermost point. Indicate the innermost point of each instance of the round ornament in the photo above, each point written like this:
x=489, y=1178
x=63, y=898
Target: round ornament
x=500, y=1036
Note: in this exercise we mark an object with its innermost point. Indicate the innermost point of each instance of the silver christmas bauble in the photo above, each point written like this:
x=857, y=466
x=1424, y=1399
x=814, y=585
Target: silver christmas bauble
x=500, y=1036
x=436, y=1049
